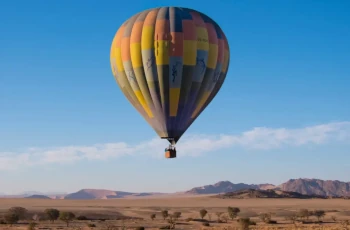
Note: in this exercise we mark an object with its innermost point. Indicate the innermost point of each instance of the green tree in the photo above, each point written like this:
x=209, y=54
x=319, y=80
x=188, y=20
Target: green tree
x=67, y=217
x=52, y=214
x=202, y=213
x=233, y=212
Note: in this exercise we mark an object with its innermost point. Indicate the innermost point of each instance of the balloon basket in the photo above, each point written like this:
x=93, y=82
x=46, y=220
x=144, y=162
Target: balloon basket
x=170, y=153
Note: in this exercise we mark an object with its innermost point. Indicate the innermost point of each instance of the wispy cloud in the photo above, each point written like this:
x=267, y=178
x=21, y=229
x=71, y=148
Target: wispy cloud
x=259, y=138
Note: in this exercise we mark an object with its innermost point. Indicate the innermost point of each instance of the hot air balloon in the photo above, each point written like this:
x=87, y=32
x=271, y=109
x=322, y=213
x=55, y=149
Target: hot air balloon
x=170, y=62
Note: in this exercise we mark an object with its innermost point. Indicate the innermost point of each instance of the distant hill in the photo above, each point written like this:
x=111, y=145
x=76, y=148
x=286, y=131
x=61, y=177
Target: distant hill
x=333, y=188
x=254, y=193
x=317, y=186
x=227, y=186
x=38, y=197
x=88, y=194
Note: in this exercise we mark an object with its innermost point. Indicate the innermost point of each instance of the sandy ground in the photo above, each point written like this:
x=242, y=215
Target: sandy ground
x=188, y=206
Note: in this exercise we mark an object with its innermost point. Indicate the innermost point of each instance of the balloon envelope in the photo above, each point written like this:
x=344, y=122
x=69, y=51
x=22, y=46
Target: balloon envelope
x=170, y=62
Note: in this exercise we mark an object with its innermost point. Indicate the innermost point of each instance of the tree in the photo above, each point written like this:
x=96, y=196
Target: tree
x=165, y=214
x=31, y=226
x=172, y=222
x=233, y=212
x=244, y=223
x=67, y=217
x=218, y=214
x=319, y=214
x=224, y=218
x=19, y=211
x=265, y=217
x=292, y=218
x=153, y=216
x=11, y=218
x=304, y=213
x=334, y=218
x=176, y=215
x=52, y=214
x=209, y=216
x=202, y=213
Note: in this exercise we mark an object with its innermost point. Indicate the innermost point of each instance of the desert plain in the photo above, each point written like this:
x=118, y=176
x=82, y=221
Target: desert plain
x=133, y=213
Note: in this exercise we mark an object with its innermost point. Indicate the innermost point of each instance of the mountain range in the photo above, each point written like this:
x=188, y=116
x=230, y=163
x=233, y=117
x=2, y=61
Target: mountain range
x=301, y=185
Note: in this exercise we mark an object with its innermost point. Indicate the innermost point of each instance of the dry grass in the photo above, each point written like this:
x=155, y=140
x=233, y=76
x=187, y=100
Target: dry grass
x=120, y=212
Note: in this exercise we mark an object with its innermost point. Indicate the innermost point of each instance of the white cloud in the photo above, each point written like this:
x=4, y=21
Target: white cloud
x=259, y=138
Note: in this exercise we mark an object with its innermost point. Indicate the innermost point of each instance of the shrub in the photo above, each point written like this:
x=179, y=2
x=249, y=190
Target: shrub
x=91, y=225
x=140, y=228
x=206, y=224
x=189, y=219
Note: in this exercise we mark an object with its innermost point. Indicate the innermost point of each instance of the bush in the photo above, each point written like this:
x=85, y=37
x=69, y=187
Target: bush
x=272, y=222
x=91, y=225
x=165, y=227
x=206, y=224
x=2, y=222
x=140, y=228
x=189, y=219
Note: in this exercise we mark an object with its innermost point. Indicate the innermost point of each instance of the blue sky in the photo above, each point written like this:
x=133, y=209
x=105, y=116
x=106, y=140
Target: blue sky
x=289, y=74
